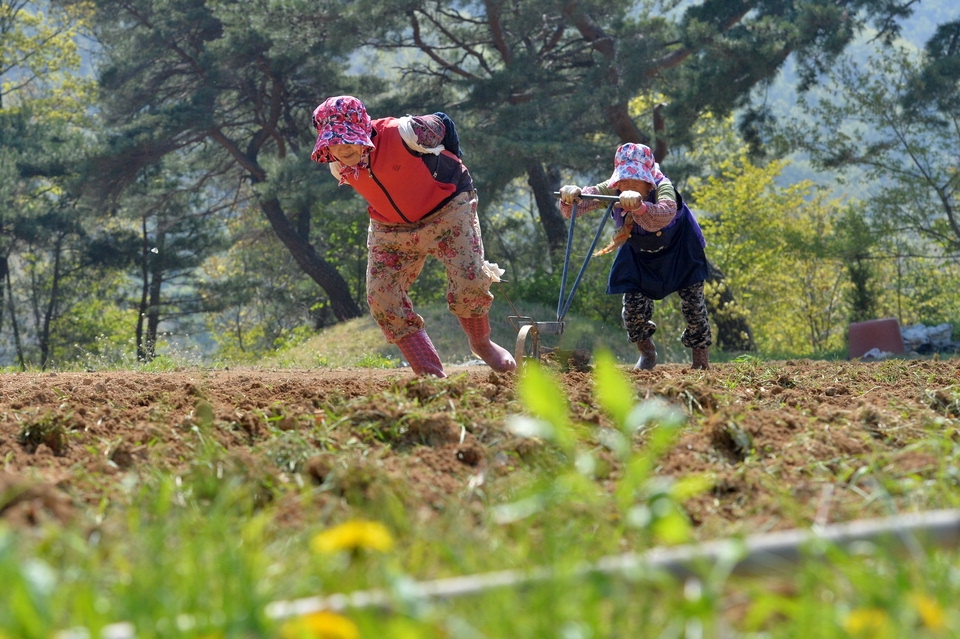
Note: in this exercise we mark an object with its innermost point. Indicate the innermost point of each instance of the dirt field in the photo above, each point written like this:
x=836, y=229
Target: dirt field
x=786, y=442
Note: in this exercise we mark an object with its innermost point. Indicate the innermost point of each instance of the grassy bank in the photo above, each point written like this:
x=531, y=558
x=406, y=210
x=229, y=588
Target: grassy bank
x=359, y=342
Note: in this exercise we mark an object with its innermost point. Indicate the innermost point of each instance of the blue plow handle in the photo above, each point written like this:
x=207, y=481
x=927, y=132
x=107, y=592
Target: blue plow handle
x=564, y=306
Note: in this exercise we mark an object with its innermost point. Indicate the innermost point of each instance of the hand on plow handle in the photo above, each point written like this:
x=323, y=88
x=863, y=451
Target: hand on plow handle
x=569, y=194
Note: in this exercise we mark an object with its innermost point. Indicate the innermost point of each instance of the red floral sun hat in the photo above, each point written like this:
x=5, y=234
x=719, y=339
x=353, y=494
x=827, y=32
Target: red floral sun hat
x=340, y=120
x=634, y=162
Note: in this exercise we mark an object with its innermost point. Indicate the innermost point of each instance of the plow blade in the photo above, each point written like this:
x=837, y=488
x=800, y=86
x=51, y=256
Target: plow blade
x=529, y=346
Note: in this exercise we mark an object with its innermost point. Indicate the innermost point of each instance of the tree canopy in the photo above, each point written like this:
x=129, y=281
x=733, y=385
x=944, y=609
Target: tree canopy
x=201, y=121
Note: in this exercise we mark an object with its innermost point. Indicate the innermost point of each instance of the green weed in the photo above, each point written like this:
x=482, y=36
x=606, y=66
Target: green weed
x=49, y=429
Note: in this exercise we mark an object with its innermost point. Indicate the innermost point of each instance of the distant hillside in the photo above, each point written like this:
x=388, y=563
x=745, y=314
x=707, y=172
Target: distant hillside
x=781, y=97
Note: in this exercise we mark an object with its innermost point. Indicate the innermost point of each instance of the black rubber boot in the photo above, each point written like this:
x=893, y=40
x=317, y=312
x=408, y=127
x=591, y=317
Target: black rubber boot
x=701, y=358
x=648, y=355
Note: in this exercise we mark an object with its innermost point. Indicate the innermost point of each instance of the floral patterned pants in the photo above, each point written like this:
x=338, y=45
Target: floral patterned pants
x=638, y=311
x=397, y=253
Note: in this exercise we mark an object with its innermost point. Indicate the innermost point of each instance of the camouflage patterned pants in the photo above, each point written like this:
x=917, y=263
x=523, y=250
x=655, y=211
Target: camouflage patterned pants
x=638, y=311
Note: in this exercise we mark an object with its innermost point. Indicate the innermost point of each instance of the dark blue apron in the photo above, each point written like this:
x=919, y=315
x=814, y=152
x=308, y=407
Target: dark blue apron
x=659, y=263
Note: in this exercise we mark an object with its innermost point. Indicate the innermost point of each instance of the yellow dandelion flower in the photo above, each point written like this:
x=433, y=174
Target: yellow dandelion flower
x=931, y=613
x=353, y=535
x=320, y=625
x=867, y=622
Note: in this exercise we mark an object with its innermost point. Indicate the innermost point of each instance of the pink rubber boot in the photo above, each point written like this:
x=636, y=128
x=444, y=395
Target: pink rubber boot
x=478, y=331
x=420, y=354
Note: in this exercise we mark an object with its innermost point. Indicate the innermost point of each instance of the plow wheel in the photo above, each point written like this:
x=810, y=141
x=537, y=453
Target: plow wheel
x=531, y=332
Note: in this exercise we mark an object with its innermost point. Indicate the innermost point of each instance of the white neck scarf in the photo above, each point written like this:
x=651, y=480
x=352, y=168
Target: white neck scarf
x=410, y=137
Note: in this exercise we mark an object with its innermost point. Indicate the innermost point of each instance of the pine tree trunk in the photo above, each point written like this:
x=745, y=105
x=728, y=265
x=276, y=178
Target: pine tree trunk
x=546, y=182
x=342, y=304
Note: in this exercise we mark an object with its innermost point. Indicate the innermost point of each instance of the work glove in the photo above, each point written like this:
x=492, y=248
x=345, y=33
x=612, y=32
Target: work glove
x=569, y=194
x=632, y=201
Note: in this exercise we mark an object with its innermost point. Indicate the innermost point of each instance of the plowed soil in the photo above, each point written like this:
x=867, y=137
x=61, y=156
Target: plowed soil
x=785, y=443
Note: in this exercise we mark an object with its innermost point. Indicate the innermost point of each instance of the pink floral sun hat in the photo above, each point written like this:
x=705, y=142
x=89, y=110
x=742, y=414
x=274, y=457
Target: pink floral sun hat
x=340, y=120
x=634, y=162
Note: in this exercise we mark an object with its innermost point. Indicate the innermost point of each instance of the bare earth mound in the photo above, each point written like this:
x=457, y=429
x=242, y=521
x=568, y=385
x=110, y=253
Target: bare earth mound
x=786, y=443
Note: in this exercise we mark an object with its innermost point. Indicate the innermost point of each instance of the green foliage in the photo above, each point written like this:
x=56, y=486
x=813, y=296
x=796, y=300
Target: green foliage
x=938, y=83
x=775, y=246
x=114, y=352
x=374, y=361
x=263, y=303
x=643, y=500
x=97, y=329
x=28, y=593
x=40, y=60
x=45, y=131
x=51, y=430
x=255, y=301
x=855, y=242
x=887, y=122
x=45, y=249
x=549, y=94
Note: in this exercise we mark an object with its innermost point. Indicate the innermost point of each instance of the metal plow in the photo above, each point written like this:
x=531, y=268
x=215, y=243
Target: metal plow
x=529, y=330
